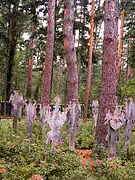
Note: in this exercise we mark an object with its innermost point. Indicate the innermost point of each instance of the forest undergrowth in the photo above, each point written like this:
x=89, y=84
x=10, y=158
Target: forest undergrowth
x=20, y=158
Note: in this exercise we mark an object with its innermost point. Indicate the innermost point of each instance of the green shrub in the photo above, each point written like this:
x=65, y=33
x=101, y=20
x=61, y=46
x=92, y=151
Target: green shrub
x=22, y=157
x=99, y=152
x=85, y=136
x=111, y=169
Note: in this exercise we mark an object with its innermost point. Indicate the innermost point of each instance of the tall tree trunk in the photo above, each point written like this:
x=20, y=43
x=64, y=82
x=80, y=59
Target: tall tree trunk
x=72, y=75
x=79, y=38
x=29, y=84
x=58, y=78
x=109, y=68
x=128, y=70
x=89, y=63
x=11, y=49
x=120, y=41
x=79, y=71
x=10, y=65
x=47, y=68
x=36, y=93
x=97, y=25
x=30, y=65
x=65, y=90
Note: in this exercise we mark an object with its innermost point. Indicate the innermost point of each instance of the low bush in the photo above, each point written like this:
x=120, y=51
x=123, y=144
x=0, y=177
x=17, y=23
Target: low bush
x=85, y=137
x=20, y=158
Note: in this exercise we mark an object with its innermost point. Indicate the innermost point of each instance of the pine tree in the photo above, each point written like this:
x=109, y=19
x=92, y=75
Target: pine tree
x=109, y=68
x=88, y=85
x=120, y=41
x=72, y=75
x=47, y=67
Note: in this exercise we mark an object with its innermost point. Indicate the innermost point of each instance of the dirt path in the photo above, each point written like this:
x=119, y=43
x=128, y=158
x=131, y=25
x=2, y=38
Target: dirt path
x=85, y=156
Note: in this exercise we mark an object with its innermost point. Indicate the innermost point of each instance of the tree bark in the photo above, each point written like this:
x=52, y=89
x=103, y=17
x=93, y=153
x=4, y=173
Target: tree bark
x=29, y=85
x=88, y=86
x=10, y=65
x=79, y=73
x=36, y=93
x=65, y=90
x=109, y=68
x=12, y=35
x=128, y=69
x=79, y=38
x=72, y=75
x=47, y=67
x=58, y=78
x=30, y=65
x=120, y=42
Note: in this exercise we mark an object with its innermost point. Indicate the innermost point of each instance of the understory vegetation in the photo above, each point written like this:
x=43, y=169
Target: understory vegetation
x=20, y=157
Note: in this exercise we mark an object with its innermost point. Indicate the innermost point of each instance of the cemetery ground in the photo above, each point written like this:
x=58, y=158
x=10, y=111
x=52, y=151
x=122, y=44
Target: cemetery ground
x=20, y=157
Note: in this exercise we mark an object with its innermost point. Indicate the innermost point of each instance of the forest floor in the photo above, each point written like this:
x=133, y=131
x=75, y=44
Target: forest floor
x=21, y=158
x=85, y=156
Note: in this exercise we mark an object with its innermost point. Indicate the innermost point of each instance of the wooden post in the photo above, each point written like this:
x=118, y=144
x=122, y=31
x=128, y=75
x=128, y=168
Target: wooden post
x=130, y=116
